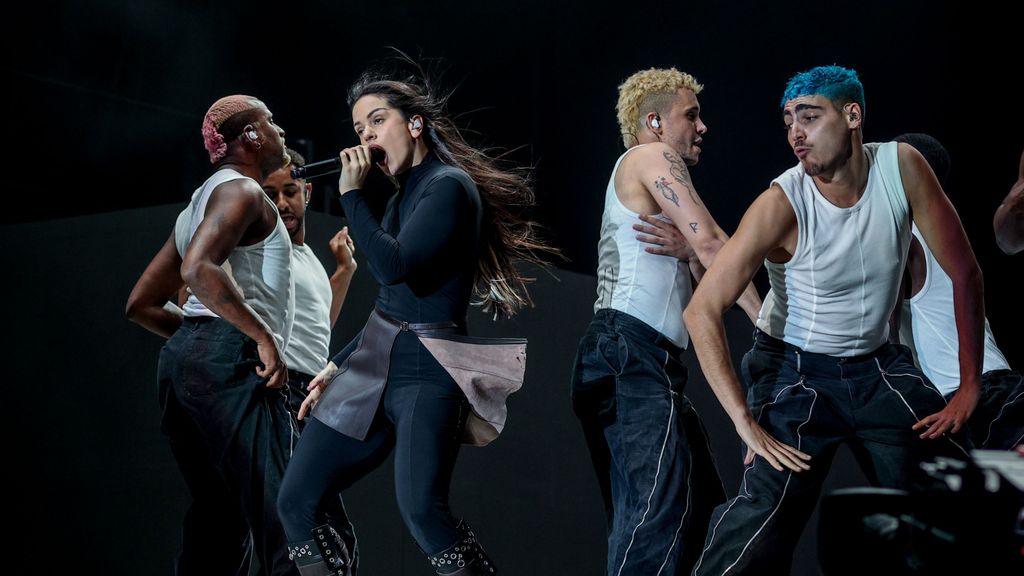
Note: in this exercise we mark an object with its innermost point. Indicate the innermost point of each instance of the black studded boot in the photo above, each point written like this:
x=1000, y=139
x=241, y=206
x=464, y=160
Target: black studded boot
x=324, y=555
x=465, y=558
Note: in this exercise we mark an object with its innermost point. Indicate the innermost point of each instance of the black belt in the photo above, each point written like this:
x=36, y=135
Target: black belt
x=415, y=326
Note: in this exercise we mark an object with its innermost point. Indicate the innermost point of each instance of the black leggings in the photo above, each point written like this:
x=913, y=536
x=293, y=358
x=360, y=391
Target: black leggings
x=422, y=416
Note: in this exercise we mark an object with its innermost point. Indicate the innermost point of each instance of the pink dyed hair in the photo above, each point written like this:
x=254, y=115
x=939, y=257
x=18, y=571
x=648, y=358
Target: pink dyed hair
x=221, y=110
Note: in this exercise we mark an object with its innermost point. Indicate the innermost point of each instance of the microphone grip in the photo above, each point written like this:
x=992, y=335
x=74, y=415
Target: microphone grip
x=332, y=166
x=320, y=168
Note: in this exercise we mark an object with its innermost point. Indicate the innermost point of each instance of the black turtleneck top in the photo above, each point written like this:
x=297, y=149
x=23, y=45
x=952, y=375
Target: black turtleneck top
x=423, y=252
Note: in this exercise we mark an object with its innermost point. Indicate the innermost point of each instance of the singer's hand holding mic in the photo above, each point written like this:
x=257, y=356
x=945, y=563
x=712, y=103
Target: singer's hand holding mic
x=354, y=163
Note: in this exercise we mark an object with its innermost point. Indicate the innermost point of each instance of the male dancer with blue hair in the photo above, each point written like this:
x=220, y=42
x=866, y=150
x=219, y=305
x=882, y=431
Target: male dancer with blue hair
x=833, y=232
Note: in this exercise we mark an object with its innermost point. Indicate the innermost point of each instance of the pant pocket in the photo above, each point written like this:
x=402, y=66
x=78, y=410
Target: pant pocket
x=213, y=364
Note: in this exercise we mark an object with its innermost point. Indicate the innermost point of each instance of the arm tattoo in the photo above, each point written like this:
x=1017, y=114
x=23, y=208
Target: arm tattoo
x=666, y=190
x=677, y=168
x=679, y=171
x=693, y=226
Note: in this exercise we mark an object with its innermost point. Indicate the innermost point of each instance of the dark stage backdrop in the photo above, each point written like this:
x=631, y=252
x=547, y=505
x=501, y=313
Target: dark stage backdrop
x=94, y=477
x=107, y=96
x=103, y=112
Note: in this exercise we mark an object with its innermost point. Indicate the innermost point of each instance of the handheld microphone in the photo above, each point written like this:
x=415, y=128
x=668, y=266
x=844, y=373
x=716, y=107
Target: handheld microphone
x=332, y=166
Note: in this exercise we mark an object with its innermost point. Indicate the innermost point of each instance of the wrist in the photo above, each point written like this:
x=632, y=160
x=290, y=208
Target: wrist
x=345, y=270
x=265, y=337
x=741, y=416
x=970, y=384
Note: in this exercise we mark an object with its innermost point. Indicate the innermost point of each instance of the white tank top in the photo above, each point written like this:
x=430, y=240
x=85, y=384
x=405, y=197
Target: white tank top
x=650, y=287
x=836, y=293
x=311, y=333
x=928, y=327
x=261, y=271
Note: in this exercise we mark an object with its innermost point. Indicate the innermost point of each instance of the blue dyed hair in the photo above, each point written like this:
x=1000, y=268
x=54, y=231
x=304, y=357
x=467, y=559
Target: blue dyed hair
x=838, y=84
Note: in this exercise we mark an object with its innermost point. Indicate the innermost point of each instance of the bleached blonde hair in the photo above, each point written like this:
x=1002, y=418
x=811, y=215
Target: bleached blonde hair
x=650, y=90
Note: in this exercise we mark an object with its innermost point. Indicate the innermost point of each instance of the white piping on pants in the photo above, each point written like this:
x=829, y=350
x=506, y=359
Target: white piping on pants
x=744, y=485
x=657, y=472
x=883, y=373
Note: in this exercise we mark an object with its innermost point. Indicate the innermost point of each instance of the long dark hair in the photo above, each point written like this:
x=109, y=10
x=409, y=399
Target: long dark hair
x=509, y=237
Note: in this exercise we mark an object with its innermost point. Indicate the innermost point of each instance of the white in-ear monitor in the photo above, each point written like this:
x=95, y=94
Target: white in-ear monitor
x=417, y=124
x=251, y=135
x=655, y=123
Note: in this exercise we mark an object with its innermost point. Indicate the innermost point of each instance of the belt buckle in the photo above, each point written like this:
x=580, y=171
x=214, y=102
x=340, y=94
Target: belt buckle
x=404, y=326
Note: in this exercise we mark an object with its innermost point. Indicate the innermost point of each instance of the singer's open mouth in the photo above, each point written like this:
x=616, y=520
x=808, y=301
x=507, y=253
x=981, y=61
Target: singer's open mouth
x=378, y=155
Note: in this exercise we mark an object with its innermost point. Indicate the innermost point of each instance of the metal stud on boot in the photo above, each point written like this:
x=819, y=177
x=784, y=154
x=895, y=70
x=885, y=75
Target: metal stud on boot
x=332, y=548
x=324, y=555
x=465, y=558
x=308, y=560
